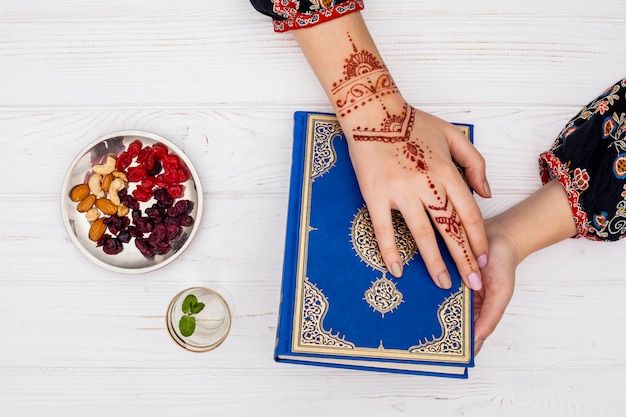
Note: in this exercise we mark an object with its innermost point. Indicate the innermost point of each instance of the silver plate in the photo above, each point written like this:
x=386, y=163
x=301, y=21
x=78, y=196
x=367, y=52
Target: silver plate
x=129, y=260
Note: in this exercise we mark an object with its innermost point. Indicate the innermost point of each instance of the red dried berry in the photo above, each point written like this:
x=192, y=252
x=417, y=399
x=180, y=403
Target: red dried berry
x=160, y=150
x=148, y=182
x=123, y=161
x=142, y=194
x=134, y=148
x=176, y=190
x=170, y=161
x=159, y=181
x=112, y=246
x=137, y=173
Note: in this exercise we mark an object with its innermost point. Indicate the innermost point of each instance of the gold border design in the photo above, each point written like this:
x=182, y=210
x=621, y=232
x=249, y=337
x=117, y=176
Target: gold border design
x=450, y=315
x=315, y=308
x=324, y=156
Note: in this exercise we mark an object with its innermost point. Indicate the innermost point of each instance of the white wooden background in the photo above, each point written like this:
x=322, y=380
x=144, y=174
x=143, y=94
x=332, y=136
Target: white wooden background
x=214, y=78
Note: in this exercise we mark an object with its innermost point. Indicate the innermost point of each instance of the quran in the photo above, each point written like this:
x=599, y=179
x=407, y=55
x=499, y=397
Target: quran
x=340, y=307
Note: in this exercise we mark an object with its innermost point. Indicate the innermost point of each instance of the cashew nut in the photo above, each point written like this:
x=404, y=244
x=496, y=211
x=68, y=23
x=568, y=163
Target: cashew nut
x=107, y=167
x=120, y=175
x=92, y=214
x=116, y=185
x=122, y=210
x=95, y=185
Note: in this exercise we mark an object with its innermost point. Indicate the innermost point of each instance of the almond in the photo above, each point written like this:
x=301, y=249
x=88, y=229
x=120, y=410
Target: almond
x=86, y=203
x=106, y=206
x=97, y=229
x=79, y=192
x=106, y=182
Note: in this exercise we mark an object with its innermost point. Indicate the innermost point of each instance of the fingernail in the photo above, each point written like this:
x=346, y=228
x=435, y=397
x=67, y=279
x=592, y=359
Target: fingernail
x=474, y=281
x=444, y=281
x=487, y=189
x=482, y=261
x=396, y=269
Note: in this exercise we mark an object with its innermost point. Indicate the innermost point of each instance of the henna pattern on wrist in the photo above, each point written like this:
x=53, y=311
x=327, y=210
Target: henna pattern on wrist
x=367, y=80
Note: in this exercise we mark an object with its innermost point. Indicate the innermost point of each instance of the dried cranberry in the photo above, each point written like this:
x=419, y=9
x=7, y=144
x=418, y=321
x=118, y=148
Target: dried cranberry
x=136, y=173
x=170, y=161
x=134, y=148
x=185, y=220
x=156, y=169
x=114, y=225
x=163, y=197
x=159, y=233
x=156, y=213
x=112, y=246
x=144, y=247
x=173, y=231
x=131, y=202
x=149, y=182
x=123, y=161
x=161, y=248
x=160, y=150
x=144, y=225
x=142, y=194
x=124, y=236
x=182, y=207
x=176, y=190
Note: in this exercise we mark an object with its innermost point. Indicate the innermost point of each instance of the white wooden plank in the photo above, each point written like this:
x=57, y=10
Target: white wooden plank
x=309, y=391
x=83, y=64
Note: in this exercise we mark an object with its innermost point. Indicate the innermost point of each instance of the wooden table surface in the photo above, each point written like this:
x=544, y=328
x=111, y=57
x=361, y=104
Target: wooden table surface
x=215, y=79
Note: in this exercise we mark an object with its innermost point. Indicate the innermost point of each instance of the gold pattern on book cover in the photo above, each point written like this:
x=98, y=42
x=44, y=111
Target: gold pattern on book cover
x=450, y=315
x=366, y=246
x=383, y=296
x=324, y=156
x=315, y=308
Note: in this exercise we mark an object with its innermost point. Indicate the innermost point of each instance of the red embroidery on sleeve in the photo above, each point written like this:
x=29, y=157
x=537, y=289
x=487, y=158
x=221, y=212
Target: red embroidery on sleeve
x=326, y=10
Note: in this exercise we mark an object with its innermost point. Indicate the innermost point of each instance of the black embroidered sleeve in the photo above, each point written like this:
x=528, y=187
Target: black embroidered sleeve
x=296, y=14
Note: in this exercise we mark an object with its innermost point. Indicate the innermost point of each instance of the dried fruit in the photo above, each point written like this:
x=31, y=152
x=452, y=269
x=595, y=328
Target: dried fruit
x=97, y=229
x=86, y=203
x=79, y=192
x=106, y=206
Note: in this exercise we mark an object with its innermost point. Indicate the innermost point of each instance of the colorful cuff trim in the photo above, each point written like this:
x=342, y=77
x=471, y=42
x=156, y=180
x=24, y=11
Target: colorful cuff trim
x=297, y=20
x=574, y=183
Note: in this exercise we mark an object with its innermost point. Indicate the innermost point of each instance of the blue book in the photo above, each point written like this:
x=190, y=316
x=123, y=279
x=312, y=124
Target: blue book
x=340, y=307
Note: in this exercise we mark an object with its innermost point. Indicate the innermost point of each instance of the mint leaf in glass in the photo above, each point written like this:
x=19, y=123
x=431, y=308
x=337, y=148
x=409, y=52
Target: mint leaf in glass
x=198, y=307
x=188, y=303
x=187, y=325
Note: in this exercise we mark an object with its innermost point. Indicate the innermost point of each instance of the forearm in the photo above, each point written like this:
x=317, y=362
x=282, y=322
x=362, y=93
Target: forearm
x=349, y=67
x=544, y=218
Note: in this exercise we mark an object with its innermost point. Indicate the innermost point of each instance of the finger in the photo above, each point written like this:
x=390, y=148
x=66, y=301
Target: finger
x=466, y=155
x=491, y=312
x=382, y=223
x=449, y=225
x=471, y=218
x=425, y=238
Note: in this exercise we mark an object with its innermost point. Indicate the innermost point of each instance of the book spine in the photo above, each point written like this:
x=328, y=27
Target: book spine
x=290, y=263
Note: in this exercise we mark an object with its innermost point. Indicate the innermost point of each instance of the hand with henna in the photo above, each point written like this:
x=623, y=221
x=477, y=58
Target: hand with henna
x=403, y=157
